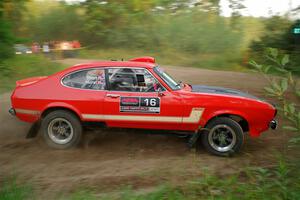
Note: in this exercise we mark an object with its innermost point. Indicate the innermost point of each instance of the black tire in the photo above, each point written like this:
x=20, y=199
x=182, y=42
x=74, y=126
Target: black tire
x=64, y=119
x=225, y=130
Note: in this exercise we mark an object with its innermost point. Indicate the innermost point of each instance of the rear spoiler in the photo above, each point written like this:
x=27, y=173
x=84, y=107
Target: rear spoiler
x=29, y=81
x=147, y=59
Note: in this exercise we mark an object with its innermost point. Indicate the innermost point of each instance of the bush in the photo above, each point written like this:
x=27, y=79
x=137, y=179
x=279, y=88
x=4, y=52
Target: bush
x=280, y=86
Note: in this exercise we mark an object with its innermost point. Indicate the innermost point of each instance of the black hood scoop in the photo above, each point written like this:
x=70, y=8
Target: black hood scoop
x=220, y=90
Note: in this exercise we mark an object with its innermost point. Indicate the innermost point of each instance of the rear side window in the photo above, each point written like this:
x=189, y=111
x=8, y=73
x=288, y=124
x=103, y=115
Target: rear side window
x=93, y=79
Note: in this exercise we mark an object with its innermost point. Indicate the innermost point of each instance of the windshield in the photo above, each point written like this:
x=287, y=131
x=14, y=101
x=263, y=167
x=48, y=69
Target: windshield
x=167, y=78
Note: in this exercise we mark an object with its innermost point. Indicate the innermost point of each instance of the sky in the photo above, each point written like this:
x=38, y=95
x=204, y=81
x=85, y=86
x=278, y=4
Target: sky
x=262, y=8
x=256, y=8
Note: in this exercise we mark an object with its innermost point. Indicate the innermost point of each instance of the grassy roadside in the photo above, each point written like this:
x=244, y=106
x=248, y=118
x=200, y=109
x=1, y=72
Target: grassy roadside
x=24, y=66
x=279, y=182
x=226, y=62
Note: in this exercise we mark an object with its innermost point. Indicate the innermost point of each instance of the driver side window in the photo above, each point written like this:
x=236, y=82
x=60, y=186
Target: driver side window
x=132, y=80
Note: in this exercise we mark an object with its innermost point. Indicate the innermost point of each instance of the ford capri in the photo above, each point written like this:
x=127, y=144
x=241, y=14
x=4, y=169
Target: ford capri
x=138, y=94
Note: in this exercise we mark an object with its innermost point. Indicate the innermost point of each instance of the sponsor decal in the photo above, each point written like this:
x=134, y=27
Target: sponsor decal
x=130, y=101
x=140, y=104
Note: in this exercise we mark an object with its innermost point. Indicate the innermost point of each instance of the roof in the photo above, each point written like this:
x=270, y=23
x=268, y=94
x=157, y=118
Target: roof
x=143, y=62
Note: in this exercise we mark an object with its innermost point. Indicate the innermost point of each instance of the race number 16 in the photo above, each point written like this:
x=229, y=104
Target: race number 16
x=150, y=102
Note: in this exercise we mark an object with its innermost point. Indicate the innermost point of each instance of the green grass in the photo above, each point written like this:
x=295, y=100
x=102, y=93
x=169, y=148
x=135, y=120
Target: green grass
x=11, y=190
x=226, y=61
x=25, y=66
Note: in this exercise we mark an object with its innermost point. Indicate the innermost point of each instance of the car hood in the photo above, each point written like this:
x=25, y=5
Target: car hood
x=221, y=90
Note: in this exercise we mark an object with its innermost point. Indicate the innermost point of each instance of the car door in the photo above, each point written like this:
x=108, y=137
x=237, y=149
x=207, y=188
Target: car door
x=135, y=99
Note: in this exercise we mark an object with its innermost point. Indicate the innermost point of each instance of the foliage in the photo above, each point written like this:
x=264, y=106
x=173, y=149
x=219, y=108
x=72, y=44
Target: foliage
x=59, y=23
x=275, y=30
x=24, y=66
x=13, y=11
x=201, y=38
x=11, y=190
x=82, y=195
x=280, y=86
x=10, y=13
x=192, y=31
x=6, y=40
x=236, y=7
x=6, y=36
x=278, y=34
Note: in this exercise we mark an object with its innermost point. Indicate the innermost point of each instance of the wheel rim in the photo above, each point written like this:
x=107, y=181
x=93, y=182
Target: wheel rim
x=60, y=131
x=222, y=138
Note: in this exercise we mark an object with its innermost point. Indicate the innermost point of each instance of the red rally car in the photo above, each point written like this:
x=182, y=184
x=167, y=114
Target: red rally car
x=138, y=94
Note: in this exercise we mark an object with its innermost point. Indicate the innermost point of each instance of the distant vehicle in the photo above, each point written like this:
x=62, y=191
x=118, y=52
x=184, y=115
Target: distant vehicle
x=138, y=94
x=22, y=49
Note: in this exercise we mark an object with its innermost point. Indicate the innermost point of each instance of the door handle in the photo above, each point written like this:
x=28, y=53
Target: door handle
x=113, y=95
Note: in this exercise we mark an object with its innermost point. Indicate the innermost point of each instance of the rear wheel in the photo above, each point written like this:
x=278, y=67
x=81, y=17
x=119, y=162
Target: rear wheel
x=223, y=136
x=61, y=129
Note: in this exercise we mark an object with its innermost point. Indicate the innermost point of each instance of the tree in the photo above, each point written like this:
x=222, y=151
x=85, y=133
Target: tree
x=236, y=6
x=6, y=36
x=13, y=12
x=209, y=5
x=59, y=23
x=102, y=20
x=278, y=34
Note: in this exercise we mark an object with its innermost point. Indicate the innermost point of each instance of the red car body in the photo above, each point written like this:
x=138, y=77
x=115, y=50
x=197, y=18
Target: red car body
x=184, y=109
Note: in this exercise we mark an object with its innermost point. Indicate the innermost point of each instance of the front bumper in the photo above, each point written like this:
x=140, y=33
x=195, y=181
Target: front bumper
x=12, y=111
x=273, y=124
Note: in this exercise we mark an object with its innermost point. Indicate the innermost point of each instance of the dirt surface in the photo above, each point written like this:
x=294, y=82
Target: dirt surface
x=110, y=159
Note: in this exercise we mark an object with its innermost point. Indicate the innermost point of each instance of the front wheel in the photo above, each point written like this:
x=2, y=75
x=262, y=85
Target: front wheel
x=61, y=129
x=223, y=136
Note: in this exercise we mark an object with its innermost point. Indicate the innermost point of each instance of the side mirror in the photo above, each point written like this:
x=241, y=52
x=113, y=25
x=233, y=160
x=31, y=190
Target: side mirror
x=160, y=92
